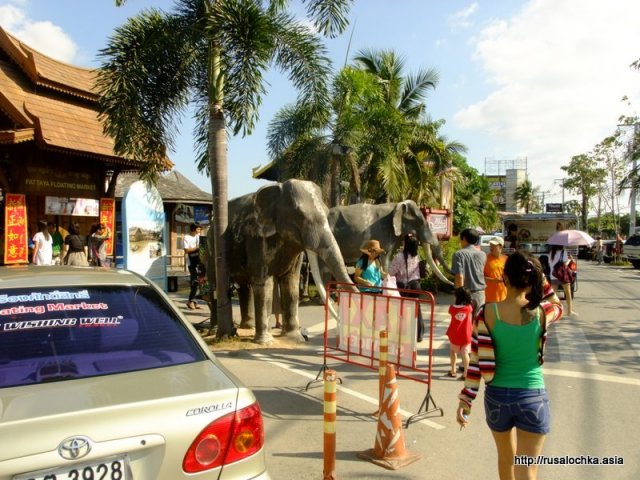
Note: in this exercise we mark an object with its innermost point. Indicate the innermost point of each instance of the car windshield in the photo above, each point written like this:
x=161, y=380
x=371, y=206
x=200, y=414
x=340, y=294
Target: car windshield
x=64, y=333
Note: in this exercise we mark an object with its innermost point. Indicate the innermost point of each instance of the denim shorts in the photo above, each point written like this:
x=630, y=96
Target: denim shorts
x=523, y=408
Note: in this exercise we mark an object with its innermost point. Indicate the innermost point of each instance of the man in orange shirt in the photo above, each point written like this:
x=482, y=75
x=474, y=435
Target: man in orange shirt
x=496, y=290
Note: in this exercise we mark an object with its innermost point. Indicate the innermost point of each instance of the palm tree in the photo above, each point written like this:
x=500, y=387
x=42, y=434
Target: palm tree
x=430, y=157
x=526, y=196
x=214, y=54
x=321, y=145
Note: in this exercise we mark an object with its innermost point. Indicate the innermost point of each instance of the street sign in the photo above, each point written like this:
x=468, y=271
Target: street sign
x=553, y=208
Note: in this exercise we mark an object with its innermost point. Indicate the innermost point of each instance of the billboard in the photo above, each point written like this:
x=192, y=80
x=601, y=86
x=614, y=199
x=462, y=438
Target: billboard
x=144, y=233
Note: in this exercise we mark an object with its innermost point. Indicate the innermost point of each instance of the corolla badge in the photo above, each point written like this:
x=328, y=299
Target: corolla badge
x=74, y=447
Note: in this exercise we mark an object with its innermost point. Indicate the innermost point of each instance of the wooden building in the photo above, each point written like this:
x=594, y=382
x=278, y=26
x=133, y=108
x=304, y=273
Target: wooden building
x=52, y=146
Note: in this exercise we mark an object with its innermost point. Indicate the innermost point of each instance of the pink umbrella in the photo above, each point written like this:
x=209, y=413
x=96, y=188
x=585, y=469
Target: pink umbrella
x=567, y=238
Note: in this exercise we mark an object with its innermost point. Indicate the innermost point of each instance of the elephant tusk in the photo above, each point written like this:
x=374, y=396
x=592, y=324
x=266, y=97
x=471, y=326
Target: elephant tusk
x=317, y=278
x=434, y=267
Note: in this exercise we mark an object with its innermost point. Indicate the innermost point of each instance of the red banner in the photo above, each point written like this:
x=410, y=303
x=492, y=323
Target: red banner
x=15, y=233
x=108, y=217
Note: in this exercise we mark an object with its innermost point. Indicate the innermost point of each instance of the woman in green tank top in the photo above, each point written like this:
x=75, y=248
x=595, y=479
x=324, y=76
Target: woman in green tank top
x=509, y=338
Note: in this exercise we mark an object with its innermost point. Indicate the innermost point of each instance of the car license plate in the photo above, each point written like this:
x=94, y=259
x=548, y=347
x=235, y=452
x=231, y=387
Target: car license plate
x=106, y=469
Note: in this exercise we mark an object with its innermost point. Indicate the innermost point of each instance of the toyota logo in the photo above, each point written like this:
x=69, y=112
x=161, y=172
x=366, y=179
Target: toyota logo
x=74, y=447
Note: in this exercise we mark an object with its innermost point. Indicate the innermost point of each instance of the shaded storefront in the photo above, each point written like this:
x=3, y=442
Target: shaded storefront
x=53, y=150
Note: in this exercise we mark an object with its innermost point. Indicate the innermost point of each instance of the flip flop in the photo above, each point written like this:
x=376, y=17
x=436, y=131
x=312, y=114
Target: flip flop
x=452, y=375
x=190, y=306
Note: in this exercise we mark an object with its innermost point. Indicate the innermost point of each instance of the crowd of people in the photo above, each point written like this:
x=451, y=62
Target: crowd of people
x=51, y=248
x=502, y=308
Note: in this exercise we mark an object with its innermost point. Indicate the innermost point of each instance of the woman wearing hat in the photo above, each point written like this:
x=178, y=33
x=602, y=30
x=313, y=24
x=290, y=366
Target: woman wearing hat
x=369, y=271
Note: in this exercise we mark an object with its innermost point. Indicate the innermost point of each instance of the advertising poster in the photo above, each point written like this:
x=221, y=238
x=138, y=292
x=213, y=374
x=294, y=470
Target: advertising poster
x=76, y=207
x=144, y=233
x=15, y=232
x=108, y=217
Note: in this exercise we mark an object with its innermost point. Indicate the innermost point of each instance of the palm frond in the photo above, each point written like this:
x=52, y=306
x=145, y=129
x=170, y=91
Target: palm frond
x=304, y=57
x=415, y=90
x=289, y=123
x=144, y=82
x=244, y=33
x=329, y=16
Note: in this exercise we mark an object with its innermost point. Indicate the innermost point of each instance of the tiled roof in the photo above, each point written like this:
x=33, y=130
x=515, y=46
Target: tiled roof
x=55, y=101
x=173, y=188
x=47, y=72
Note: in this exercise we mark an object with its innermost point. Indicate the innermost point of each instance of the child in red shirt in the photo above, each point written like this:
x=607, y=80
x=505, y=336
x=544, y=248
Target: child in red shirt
x=459, y=331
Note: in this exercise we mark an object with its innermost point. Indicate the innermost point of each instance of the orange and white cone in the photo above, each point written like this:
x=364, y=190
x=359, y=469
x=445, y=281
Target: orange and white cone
x=382, y=368
x=389, y=450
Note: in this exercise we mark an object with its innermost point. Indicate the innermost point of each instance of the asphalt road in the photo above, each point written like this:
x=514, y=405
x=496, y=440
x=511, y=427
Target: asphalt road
x=592, y=373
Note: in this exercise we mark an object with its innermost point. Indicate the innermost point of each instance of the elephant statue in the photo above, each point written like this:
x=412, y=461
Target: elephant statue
x=268, y=230
x=388, y=223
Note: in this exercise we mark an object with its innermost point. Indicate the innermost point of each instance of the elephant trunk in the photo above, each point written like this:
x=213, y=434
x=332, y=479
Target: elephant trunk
x=433, y=266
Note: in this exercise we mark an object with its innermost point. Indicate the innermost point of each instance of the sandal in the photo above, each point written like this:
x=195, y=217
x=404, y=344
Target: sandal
x=196, y=306
x=191, y=305
x=452, y=375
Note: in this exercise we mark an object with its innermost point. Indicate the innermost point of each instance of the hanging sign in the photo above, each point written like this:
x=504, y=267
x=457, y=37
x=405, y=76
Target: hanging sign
x=108, y=218
x=15, y=232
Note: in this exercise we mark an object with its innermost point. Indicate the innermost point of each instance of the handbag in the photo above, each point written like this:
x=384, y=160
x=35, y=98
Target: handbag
x=563, y=273
x=390, y=282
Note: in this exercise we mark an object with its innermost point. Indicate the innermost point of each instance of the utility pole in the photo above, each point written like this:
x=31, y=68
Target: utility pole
x=633, y=149
x=561, y=180
x=634, y=166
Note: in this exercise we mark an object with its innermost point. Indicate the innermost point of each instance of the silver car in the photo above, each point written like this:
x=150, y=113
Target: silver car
x=101, y=377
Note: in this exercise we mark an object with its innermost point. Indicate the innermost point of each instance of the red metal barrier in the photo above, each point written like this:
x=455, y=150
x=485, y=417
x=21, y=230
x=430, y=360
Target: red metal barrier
x=360, y=316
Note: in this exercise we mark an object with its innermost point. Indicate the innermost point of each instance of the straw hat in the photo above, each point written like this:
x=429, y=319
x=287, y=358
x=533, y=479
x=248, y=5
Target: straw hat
x=372, y=247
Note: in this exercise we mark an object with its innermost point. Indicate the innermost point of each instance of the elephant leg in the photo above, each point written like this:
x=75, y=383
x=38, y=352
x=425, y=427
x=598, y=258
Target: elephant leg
x=245, y=296
x=289, y=297
x=262, y=292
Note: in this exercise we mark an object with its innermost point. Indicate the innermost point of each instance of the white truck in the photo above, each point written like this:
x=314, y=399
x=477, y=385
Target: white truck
x=530, y=231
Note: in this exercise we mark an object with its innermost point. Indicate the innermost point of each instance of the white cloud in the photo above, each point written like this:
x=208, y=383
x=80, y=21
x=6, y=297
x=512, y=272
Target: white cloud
x=558, y=71
x=462, y=18
x=42, y=36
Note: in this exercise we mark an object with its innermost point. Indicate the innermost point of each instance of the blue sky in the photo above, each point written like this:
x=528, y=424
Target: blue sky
x=541, y=79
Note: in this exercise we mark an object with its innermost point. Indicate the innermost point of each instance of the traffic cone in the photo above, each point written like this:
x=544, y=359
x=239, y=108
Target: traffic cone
x=382, y=368
x=389, y=450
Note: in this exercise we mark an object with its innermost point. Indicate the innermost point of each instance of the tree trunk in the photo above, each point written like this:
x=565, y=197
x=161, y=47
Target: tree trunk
x=218, y=169
x=217, y=150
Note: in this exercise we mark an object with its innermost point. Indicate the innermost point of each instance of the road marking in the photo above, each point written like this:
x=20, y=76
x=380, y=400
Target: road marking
x=592, y=376
x=633, y=339
x=348, y=391
x=573, y=345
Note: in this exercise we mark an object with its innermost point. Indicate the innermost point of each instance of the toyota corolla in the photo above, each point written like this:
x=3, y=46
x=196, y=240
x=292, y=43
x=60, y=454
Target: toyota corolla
x=101, y=377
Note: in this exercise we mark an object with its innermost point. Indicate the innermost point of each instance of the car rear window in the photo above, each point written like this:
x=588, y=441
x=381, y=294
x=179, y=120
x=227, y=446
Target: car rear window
x=65, y=333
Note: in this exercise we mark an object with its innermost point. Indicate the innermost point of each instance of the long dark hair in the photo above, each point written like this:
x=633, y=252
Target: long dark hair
x=364, y=259
x=44, y=228
x=524, y=271
x=410, y=246
x=74, y=228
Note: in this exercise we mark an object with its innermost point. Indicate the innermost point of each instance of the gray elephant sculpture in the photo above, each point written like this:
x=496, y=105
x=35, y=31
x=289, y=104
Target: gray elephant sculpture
x=268, y=230
x=388, y=223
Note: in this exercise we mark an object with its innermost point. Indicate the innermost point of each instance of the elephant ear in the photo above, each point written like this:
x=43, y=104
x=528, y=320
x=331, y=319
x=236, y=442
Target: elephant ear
x=397, y=218
x=265, y=203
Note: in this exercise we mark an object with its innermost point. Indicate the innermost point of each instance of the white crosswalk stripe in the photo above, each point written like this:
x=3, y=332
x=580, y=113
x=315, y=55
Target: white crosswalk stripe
x=573, y=345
